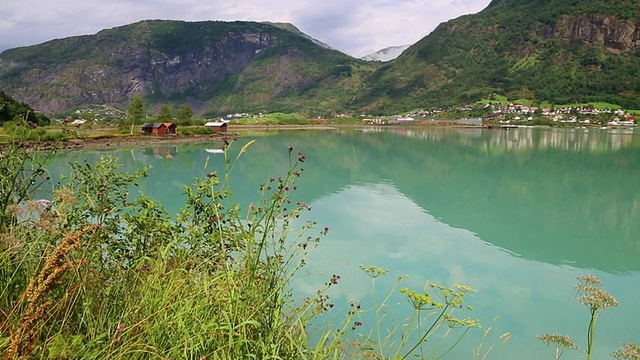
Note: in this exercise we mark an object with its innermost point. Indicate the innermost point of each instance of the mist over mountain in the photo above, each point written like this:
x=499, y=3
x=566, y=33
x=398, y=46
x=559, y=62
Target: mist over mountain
x=386, y=54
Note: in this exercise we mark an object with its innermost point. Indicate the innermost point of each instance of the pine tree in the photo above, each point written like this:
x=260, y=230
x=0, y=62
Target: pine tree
x=165, y=114
x=184, y=113
x=135, y=111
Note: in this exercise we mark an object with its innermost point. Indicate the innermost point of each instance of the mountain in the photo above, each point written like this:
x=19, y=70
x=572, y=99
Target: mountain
x=560, y=51
x=292, y=28
x=386, y=54
x=214, y=67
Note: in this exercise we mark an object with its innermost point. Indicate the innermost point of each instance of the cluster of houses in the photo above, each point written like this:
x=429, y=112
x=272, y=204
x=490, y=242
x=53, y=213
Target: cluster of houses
x=169, y=128
x=409, y=119
x=218, y=126
x=515, y=112
x=577, y=114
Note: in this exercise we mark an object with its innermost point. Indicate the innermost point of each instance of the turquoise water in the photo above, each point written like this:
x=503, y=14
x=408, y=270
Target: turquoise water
x=516, y=214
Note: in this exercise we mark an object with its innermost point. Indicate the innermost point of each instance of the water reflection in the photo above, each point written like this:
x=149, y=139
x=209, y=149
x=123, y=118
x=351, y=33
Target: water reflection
x=376, y=224
x=516, y=214
x=161, y=152
x=578, y=139
x=562, y=205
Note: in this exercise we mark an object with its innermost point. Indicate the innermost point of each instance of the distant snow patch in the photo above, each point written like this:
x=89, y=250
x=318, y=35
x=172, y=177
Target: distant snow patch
x=386, y=54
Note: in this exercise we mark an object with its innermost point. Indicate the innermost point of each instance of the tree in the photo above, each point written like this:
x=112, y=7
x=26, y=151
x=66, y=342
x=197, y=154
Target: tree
x=165, y=114
x=135, y=111
x=10, y=110
x=184, y=113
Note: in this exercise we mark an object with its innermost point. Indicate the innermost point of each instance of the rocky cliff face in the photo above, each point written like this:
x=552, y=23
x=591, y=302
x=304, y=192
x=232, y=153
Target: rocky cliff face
x=161, y=60
x=613, y=34
x=114, y=74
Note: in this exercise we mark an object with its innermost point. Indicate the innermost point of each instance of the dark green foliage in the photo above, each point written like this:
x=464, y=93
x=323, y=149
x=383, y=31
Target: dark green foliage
x=135, y=111
x=165, y=114
x=184, y=113
x=11, y=109
x=22, y=171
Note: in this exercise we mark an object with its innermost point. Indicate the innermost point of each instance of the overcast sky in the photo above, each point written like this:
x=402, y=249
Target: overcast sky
x=355, y=27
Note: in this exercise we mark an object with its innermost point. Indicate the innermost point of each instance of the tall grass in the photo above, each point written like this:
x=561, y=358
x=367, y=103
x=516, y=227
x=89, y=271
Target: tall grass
x=210, y=283
x=97, y=273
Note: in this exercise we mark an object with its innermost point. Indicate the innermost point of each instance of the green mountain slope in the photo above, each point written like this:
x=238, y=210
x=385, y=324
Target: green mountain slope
x=215, y=67
x=558, y=51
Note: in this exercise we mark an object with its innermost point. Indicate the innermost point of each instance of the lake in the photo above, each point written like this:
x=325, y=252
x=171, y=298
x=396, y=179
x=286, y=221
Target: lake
x=516, y=214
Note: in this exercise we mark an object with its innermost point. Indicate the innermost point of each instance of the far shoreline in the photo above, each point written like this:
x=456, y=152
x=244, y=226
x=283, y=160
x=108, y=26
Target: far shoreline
x=107, y=141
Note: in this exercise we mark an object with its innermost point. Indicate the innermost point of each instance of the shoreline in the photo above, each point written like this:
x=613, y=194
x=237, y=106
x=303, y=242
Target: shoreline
x=107, y=142
x=117, y=140
x=110, y=141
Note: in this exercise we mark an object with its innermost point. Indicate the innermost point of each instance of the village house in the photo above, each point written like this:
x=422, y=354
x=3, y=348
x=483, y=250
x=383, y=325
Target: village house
x=218, y=126
x=159, y=128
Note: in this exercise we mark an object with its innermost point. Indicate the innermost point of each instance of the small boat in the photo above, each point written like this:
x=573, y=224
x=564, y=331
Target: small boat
x=215, y=151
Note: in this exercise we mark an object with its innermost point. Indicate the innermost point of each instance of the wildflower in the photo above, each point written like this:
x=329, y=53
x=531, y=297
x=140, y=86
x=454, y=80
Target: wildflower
x=629, y=351
x=373, y=271
x=454, y=322
x=588, y=293
x=26, y=144
x=286, y=188
x=291, y=148
x=562, y=341
x=418, y=301
x=119, y=330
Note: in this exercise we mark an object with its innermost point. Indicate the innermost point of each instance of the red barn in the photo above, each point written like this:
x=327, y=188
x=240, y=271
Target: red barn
x=159, y=128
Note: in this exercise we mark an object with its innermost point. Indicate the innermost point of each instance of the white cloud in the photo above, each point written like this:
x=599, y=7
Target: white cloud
x=356, y=27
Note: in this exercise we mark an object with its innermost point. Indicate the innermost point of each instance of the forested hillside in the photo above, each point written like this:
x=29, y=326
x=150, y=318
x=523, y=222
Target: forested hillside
x=556, y=51
x=214, y=67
